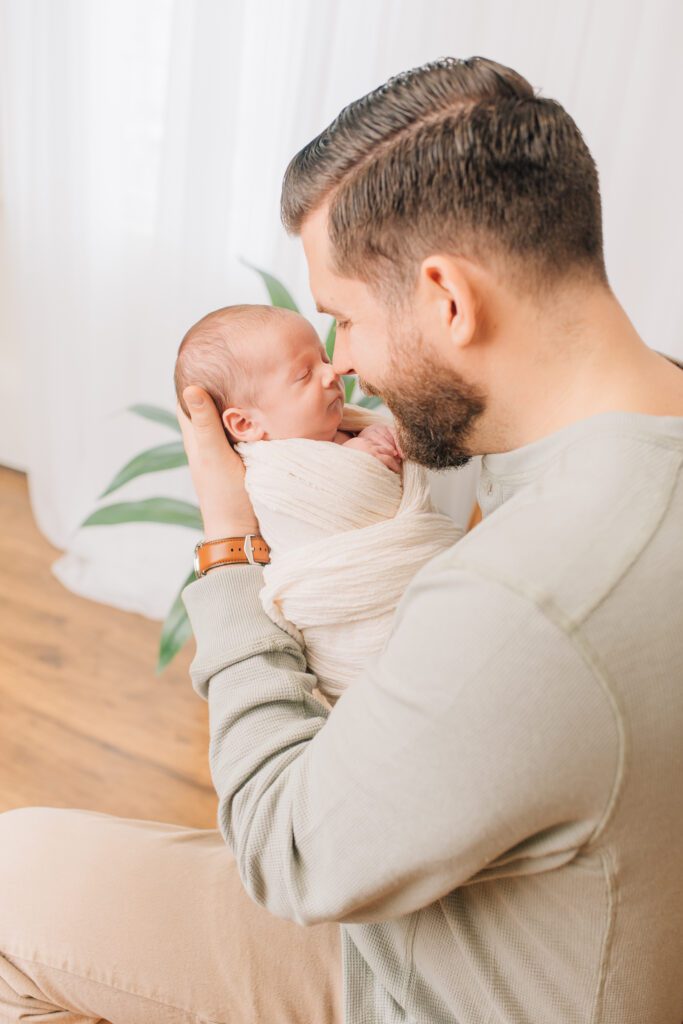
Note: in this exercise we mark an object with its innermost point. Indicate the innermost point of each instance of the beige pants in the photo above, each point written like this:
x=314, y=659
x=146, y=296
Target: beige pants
x=139, y=922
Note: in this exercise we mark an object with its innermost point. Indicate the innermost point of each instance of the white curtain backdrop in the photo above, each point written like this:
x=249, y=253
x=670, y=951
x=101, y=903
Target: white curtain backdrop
x=143, y=147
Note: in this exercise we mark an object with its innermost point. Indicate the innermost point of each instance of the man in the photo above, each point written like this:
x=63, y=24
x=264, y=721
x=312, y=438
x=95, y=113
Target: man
x=491, y=812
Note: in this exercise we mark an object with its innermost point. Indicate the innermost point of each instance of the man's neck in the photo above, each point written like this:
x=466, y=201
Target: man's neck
x=564, y=367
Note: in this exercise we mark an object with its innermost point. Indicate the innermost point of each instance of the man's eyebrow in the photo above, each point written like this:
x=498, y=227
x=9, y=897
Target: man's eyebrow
x=332, y=312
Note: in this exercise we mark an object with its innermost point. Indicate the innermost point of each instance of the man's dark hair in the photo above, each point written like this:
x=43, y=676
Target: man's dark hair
x=456, y=156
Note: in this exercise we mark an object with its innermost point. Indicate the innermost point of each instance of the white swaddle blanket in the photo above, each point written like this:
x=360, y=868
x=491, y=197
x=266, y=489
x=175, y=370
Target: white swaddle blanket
x=346, y=536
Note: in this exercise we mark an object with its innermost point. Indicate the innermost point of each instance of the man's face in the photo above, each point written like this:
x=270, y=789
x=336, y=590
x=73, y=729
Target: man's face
x=433, y=407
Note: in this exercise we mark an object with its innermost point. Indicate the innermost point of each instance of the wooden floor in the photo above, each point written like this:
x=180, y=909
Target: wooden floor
x=84, y=719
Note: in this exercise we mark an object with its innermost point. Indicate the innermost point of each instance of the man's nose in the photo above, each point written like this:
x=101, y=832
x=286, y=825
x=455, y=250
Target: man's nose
x=340, y=359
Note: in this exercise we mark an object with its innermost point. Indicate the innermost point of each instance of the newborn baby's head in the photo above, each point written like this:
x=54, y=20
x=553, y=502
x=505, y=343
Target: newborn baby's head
x=267, y=372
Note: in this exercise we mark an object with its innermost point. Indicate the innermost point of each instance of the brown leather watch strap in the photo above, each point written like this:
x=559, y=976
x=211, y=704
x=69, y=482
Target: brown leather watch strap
x=230, y=551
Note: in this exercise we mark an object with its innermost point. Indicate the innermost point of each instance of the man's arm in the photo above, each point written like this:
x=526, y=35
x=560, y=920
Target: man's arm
x=478, y=728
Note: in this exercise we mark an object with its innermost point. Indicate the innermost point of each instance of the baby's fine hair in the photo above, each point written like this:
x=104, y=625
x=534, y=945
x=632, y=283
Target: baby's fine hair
x=220, y=355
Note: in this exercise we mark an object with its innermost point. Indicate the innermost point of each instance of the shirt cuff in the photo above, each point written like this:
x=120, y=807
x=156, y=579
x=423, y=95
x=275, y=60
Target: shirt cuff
x=228, y=621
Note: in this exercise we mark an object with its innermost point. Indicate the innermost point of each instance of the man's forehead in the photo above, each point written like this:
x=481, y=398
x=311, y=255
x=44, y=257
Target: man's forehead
x=330, y=292
x=336, y=295
x=333, y=294
x=314, y=224
x=317, y=248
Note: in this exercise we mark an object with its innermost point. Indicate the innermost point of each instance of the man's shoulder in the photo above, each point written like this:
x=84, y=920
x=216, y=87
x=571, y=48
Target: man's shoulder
x=566, y=538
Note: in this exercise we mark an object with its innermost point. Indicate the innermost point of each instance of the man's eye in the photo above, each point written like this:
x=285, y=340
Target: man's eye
x=342, y=324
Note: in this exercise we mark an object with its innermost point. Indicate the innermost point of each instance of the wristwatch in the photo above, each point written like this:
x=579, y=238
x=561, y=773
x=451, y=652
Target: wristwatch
x=250, y=549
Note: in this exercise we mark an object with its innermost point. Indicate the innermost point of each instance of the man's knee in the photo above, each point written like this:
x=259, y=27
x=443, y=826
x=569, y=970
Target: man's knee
x=24, y=827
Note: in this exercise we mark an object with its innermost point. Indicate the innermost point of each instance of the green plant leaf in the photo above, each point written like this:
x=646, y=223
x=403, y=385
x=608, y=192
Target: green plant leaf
x=330, y=340
x=176, y=629
x=349, y=386
x=154, y=412
x=370, y=401
x=164, y=456
x=151, y=510
x=279, y=296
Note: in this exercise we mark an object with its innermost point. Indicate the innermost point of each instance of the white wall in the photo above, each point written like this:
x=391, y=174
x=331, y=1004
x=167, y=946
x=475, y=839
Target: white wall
x=13, y=446
x=143, y=147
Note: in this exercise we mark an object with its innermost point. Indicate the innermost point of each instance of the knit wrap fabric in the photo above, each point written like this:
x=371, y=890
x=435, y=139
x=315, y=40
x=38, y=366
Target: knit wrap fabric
x=346, y=536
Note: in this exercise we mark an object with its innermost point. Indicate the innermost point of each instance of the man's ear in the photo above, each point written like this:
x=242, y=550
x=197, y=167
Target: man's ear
x=240, y=426
x=447, y=295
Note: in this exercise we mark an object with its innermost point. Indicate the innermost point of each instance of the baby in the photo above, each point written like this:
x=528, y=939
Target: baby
x=270, y=378
x=348, y=520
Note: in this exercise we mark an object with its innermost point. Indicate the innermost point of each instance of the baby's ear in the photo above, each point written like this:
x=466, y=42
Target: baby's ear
x=226, y=430
x=240, y=427
x=227, y=434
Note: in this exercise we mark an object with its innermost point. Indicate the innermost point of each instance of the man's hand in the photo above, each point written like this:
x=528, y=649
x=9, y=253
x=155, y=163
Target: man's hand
x=217, y=470
x=379, y=441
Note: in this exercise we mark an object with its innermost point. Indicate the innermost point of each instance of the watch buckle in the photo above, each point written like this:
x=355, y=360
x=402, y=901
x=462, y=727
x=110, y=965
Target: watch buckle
x=249, y=549
x=197, y=572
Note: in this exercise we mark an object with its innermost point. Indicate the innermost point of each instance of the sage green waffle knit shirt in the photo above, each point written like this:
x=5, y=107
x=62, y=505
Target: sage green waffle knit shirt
x=493, y=810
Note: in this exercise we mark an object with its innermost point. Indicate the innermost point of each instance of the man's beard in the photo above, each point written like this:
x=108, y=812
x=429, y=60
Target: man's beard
x=434, y=408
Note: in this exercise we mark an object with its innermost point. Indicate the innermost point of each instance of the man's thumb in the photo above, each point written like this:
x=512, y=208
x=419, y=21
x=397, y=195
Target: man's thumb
x=194, y=399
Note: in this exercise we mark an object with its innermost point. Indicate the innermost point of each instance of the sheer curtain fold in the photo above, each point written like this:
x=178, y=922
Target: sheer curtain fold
x=143, y=147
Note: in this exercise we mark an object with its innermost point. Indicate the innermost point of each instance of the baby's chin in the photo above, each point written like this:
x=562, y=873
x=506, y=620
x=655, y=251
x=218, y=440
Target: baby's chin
x=334, y=414
x=327, y=427
x=339, y=413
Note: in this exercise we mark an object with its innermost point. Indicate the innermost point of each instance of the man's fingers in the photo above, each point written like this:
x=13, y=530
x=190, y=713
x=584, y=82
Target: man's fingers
x=185, y=429
x=206, y=427
x=202, y=409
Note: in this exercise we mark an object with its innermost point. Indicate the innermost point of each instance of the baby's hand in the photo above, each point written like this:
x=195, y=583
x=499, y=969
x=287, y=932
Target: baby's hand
x=380, y=433
x=379, y=441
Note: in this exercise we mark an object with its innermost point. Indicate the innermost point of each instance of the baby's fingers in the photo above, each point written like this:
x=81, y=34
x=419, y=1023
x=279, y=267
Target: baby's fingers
x=388, y=449
x=390, y=462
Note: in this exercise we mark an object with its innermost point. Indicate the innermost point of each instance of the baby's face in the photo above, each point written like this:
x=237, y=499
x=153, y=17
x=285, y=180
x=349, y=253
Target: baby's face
x=299, y=393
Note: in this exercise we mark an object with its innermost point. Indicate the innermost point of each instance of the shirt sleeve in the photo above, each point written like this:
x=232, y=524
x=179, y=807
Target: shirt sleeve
x=479, y=743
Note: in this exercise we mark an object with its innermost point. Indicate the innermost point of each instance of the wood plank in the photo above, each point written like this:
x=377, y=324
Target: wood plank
x=45, y=761
x=84, y=719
